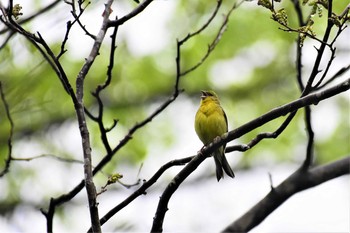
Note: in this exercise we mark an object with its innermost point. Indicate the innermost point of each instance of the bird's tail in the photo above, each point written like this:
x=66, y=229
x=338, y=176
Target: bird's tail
x=222, y=165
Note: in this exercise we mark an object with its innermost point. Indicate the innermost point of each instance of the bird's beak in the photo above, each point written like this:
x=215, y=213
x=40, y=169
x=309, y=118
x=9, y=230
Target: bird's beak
x=204, y=94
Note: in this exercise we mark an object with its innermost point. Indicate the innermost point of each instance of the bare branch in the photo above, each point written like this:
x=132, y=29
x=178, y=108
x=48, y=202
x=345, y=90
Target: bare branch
x=111, y=62
x=215, y=41
x=299, y=48
x=48, y=55
x=9, y=140
x=327, y=68
x=34, y=15
x=66, y=160
x=289, y=29
x=310, y=99
x=132, y=14
x=99, y=118
x=79, y=107
x=56, y=65
x=8, y=37
x=310, y=143
x=77, y=18
x=309, y=87
x=298, y=181
x=137, y=126
x=63, y=44
x=315, y=69
x=334, y=77
x=238, y=132
x=70, y=24
x=261, y=136
x=204, y=26
x=341, y=28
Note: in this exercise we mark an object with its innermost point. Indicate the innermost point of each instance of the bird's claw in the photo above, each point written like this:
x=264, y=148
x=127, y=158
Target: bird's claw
x=203, y=147
x=216, y=139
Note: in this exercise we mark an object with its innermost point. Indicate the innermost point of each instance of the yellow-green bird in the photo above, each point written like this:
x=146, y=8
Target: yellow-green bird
x=211, y=122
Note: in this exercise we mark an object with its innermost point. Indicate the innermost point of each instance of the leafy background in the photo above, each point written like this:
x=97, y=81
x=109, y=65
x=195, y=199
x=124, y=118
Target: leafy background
x=252, y=69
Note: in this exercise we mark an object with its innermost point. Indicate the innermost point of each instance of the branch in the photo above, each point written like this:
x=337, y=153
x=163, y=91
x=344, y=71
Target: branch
x=79, y=108
x=70, y=25
x=142, y=190
x=309, y=87
x=299, y=51
x=9, y=140
x=132, y=14
x=339, y=73
x=310, y=99
x=261, y=136
x=77, y=17
x=8, y=37
x=204, y=26
x=216, y=39
x=48, y=55
x=275, y=134
x=54, y=202
x=137, y=126
x=34, y=15
x=176, y=92
x=318, y=85
x=315, y=69
x=298, y=181
x=66, y=160
x=206, y=152
x=99, y=118
x=56, y=65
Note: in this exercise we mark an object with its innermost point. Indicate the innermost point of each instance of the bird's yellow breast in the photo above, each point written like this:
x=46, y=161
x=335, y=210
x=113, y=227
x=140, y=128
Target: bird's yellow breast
x=210, y=121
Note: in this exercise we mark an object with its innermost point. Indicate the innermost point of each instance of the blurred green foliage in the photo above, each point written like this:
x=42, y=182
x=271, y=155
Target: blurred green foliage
x=37, y=100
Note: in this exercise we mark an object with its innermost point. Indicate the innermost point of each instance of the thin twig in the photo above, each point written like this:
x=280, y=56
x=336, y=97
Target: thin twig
x=99, y=118
x=70, y=25
x=48, y=55
x=299, y=48
x=315, y=69
x=77, y=18
x=63, y=44
x=261, y=136
x=34, y=15
x=9, y=139
x=215, y=41
x=8, y=37
x=309, y=87
x=66, y=160
x=204, y=26
x=111, y=62
x=325, y=72
x=56, y=65
x=131, y=15
x=137, y=126
x=339, y=73
x=341, y=28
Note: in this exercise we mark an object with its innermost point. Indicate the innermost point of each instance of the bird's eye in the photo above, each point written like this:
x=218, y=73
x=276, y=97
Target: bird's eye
x=209, y=93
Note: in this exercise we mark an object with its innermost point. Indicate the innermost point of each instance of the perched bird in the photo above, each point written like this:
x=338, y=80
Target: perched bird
x=211, y=122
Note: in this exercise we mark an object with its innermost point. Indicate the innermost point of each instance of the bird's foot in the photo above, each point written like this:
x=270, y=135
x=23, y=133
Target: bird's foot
x=216, y=139
x=203, y=148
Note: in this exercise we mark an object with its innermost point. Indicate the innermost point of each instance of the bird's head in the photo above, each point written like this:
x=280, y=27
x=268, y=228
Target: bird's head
x=209, y=94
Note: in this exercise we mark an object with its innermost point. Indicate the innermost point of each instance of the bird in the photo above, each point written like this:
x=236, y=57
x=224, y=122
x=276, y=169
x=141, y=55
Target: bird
x=210, y=123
